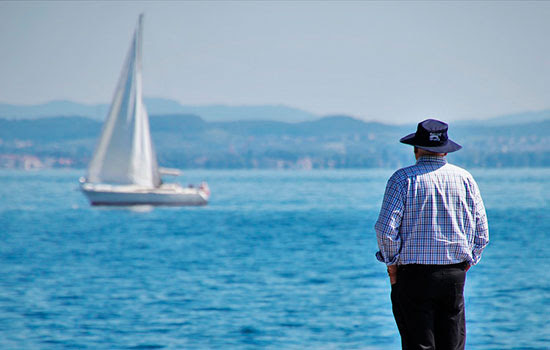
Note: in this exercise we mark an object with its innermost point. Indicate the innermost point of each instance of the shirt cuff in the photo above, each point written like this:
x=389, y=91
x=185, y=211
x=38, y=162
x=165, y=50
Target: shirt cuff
x=475, y=258
x=380, y=258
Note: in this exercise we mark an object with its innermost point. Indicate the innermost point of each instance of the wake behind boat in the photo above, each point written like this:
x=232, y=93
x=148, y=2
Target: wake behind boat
x=124, y=169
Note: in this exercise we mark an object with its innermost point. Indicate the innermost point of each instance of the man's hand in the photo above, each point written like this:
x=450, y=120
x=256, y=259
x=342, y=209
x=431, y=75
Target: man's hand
x=392, y=272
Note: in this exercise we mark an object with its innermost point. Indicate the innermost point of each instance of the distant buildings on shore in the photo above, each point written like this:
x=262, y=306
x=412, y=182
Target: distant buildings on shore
x=32, y=162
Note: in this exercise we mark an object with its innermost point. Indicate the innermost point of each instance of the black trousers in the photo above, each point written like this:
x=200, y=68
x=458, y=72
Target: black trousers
x=428, y=306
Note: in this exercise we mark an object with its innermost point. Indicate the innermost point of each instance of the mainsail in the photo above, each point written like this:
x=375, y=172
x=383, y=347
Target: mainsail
x=125, y=153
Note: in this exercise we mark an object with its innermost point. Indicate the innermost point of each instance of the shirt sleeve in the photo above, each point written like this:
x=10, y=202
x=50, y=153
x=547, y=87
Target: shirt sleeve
x=389, y=221
x=481, y=238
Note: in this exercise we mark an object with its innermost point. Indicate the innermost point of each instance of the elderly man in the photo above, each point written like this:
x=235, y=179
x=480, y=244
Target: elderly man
x=431, y=229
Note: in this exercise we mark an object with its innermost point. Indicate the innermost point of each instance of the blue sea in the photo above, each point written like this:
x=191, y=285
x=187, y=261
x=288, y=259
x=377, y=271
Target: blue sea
x=277, y=260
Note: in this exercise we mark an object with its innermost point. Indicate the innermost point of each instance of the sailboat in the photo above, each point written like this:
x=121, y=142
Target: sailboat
x=124, y=169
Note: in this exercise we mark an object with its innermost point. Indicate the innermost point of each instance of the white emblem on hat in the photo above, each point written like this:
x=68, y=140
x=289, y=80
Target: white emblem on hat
x=435, y=136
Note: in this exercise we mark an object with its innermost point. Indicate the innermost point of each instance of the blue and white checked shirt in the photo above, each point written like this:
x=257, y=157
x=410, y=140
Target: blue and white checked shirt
x=432, y=213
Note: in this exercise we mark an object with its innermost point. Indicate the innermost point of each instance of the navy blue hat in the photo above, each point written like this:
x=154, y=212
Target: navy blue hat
x=431, y=135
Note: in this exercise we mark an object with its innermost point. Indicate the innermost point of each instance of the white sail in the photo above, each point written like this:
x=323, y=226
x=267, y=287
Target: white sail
x=125, y=153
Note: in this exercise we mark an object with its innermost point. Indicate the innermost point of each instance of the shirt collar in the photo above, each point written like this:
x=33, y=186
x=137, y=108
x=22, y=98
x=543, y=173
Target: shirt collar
x=432, y=159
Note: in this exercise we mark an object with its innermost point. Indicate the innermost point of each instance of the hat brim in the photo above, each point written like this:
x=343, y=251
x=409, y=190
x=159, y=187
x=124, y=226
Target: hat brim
x=448, y=147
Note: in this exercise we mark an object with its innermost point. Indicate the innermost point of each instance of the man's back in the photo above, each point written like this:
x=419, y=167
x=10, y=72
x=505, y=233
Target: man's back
x=437, y=208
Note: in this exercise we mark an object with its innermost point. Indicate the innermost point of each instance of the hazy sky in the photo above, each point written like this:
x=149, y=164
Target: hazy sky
x=388, y=61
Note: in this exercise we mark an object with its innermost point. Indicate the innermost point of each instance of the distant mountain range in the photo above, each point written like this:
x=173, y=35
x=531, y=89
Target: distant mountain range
x=218, y=113
x=190, y=141
x=509, y=119
x=159, y=106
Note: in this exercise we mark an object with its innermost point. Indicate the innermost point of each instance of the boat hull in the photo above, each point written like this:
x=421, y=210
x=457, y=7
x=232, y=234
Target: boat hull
x=106, y=195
